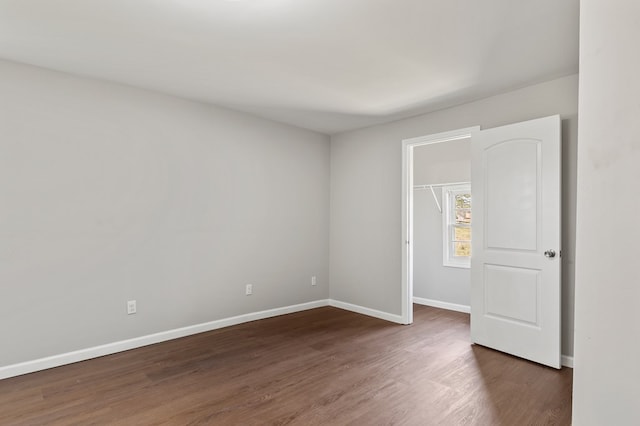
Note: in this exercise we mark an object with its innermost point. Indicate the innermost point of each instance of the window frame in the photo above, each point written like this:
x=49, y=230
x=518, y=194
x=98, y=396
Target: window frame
x=448, y=222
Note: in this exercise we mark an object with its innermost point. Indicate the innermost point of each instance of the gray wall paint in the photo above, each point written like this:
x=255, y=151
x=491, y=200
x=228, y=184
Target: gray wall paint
x=445, y=162
x=366, y=241
x=606, y=375
x=110, y=193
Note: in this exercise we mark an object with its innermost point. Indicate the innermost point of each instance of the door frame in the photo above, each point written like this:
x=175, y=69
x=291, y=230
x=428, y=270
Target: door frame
x=407, y=208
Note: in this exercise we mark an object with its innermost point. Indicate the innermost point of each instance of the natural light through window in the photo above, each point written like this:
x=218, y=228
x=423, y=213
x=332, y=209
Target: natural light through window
x=456, y=223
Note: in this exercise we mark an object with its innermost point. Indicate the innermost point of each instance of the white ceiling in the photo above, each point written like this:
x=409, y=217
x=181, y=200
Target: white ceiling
x=326, y=65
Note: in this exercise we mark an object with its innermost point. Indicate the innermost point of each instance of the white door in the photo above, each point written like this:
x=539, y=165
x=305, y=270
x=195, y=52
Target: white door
x=515, y=264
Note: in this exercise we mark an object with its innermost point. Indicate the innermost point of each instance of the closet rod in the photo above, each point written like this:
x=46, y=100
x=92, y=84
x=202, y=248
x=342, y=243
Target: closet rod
x=435, y=198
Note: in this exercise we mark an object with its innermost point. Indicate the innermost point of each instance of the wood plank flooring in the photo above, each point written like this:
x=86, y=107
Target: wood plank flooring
x=325, y=366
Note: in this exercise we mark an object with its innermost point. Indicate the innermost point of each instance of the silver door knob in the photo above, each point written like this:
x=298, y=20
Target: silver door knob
x=550, y=254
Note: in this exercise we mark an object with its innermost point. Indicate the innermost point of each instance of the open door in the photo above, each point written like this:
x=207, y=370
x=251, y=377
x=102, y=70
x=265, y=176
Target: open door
x=515, y=264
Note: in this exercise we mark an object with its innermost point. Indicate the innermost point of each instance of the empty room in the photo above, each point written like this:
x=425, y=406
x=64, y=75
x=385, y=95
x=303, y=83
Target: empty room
x=312, y=212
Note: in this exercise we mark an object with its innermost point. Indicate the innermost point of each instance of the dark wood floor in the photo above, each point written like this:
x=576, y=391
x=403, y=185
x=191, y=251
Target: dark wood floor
x=320, y=367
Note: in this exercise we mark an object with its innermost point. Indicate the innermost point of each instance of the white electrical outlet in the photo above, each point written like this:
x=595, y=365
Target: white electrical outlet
x=248, y=290
x=313, y=280
x=131, y=307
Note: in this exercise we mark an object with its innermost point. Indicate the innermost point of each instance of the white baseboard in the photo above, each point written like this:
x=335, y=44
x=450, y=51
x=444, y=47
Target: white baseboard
x=124, y=345
x=366, y=311
x=443, y=305
x=567, y=361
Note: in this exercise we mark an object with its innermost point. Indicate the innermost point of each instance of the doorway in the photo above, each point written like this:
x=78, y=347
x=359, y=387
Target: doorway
x=432, y=175
x=515, y=268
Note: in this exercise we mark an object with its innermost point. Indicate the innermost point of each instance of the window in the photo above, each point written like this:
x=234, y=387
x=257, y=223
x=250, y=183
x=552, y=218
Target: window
x=456, y=224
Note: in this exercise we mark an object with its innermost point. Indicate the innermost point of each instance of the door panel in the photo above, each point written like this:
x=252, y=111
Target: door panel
x=513, y=187
x=515, y=288
x=512, y=293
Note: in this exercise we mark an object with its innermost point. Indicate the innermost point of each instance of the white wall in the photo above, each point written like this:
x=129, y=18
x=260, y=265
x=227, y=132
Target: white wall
x=444, y=162
x=607, y=354
x=437, y=163
x=366, y=236
x=109, y=193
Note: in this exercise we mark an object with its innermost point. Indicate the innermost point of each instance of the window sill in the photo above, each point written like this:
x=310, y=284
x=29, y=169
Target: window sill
x=458, y=265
